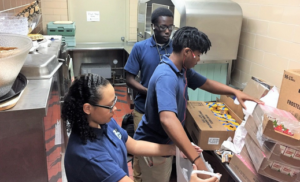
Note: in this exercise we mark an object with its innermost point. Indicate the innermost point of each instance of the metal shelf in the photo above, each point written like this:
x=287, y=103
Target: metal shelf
x=117, y=68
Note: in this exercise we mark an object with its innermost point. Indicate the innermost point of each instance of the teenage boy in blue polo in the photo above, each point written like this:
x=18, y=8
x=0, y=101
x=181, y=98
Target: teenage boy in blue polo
x=166, y=101
x=144, y=57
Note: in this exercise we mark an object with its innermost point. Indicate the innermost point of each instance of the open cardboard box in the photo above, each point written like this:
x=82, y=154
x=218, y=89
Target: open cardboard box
x=273, y=151
x=266, y=125
x=289, y=97
x=256, y=89
x=262, y=164
x=204, y=128
x=242, y=166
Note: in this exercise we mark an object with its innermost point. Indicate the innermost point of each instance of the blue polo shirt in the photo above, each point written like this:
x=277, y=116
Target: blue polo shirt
x=165, y=93
x=104, y=159
x=144, y=57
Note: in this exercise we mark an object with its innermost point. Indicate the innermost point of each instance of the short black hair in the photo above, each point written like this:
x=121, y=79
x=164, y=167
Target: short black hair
x=161, y=11
x=192, y=38
x=83, y=90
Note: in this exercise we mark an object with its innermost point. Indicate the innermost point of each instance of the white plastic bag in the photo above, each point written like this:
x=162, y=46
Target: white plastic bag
x=184, y=167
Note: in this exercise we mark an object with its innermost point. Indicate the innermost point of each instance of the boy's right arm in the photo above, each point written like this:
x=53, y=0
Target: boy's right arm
x=175, y=131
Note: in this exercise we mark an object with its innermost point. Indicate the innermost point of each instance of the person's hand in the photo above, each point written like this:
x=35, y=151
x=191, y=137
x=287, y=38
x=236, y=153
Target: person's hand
x=197, y=148
x=242, y=97
x=194, y=177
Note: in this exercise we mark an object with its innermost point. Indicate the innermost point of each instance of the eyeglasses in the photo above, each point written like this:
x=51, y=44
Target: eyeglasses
x=164, y=27
x=107, y=107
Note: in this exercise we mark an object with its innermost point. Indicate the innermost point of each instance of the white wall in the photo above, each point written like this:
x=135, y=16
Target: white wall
x=270, y=40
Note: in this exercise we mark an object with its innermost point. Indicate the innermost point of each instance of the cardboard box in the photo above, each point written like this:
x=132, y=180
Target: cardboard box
x=260, y=115
x=279, y=172
x=243, y=168
x=272, y=151
x=289, y=97
x=204, y=128
x=257, y=88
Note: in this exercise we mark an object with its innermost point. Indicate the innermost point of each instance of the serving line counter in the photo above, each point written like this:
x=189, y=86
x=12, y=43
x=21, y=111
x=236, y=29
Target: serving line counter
x=31, y=134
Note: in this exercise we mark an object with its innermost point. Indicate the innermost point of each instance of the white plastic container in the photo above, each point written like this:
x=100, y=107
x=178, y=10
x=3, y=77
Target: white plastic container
x=11, y=64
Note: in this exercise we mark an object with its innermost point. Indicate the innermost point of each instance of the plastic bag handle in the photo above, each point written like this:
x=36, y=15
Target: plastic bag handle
x=206, y=172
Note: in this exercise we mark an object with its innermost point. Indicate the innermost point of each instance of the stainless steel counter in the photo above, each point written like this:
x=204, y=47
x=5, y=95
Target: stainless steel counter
x=54, y=47
x=35, y=96
x=23, y=131
x=102, y=46
x=24, y=127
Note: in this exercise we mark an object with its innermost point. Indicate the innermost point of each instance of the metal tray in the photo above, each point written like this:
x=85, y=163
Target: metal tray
x=40, y=66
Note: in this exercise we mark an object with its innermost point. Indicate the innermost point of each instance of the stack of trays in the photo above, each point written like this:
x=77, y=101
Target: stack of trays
x=65, y=28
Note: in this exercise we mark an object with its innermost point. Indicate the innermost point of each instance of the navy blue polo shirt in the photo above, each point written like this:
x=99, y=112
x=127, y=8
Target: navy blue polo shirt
x=144, y=57
x=104, y=159
x=165, y=93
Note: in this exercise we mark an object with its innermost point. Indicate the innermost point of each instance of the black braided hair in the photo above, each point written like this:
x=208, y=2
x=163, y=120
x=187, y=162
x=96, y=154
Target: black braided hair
x=83, y=90
x=192, y=38
x=161, y=11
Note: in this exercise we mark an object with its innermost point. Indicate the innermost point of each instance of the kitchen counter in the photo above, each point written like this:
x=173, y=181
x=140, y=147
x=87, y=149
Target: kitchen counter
x=102, y=46
x=24, y=129
x=28, y=129
x=34, y=97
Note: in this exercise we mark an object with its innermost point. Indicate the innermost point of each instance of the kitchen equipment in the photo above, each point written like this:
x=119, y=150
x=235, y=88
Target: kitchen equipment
x=103, y=70
x=40, y=66
x=221, y=20
x=11, y=98
x=13, y=25
x=49, y=45
x=62, y=22
x=32, y=13
x=69, y=40
x=65, y=28
x=66, y=74
x=58, y=28
x=30, y=131
x=18, y=86
x=33, y=22
x=10, y=103
x=11, y=65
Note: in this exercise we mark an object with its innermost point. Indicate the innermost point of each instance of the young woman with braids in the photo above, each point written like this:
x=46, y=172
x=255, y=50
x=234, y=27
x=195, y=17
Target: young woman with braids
x=97, y=147
x=165, y=108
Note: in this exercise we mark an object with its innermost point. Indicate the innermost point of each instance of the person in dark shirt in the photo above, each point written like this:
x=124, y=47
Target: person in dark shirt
x=97, y=147
x=165, y=109
x=144, y=58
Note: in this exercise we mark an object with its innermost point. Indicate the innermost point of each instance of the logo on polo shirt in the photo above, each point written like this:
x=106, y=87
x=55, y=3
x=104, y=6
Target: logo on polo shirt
x=117, y=133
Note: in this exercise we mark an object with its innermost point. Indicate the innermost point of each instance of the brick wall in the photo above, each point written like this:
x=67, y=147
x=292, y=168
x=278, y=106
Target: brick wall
x=54, y=10
x=270, y=40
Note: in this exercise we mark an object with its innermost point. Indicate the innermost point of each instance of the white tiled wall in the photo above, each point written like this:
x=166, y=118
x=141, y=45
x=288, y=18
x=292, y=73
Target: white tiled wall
x=54, y=10
x=270, y=40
